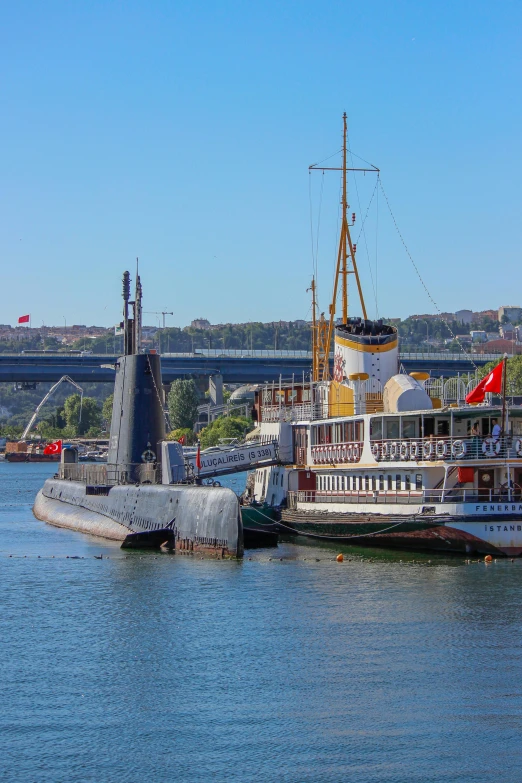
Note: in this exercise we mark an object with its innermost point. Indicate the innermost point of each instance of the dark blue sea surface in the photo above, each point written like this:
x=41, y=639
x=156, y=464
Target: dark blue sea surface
x=287, y=666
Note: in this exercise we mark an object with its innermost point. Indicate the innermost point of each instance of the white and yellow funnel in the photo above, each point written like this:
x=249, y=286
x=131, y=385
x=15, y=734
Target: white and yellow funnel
x=363, y=346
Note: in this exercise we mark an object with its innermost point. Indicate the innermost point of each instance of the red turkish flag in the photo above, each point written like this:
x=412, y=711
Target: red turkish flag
x=198, y=458
x=24, y=319
x=54, y=448
x=182, y=440
x=491, y=383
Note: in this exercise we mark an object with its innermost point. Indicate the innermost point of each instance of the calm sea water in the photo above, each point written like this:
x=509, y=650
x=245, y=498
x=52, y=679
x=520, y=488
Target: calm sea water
x=144, y=667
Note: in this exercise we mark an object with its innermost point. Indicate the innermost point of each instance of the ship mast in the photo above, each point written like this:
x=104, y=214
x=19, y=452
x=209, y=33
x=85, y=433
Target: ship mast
x=322, y=340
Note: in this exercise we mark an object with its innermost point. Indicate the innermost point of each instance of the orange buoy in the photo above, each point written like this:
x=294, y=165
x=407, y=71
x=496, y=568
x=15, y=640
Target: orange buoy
x=340, y=558
x=488, y=559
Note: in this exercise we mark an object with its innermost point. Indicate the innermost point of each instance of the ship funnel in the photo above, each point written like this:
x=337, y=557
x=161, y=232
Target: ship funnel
x=365, y=346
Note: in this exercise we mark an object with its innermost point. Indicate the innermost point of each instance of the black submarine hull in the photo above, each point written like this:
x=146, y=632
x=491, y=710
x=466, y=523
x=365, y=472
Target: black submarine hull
x=195, y=519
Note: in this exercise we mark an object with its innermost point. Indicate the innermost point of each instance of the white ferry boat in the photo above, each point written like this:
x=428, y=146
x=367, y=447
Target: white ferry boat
x=381, y=458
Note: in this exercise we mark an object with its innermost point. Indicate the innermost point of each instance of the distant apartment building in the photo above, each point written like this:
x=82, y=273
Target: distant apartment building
x=482, y=314
x=507, y=331
x=499, y=346
x=511, y=312
x=478, y=336
x=464, y=316
x=200, y=323
x=432, y=317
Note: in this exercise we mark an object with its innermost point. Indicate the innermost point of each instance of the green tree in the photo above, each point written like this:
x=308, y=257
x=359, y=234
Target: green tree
x=224, y=427
x=514, y=374
x=82, y=417
x=183, y=403
x=183, y=432
x=107, y=410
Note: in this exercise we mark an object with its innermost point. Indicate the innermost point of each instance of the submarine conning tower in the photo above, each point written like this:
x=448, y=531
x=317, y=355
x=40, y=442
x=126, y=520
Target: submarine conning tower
x=366, y=346
x=138, y=418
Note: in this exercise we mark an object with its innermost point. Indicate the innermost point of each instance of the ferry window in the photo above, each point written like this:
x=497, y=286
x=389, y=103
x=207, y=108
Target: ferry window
x=408, y=428
x=360, y=482
x=398, y=482
x=367, y=482
x=390, y=483
x=306, y=395
x=282, y=477
x=358, y=430
x=517, y=426
x=348, y=432
x=443, y=428
x=376, y=429
x=418, y=481
x=374, y=483
x=381, y=482
x=392, y=428
x=407, y=483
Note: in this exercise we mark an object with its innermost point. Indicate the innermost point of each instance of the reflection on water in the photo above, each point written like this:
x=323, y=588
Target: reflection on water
x=287, y=666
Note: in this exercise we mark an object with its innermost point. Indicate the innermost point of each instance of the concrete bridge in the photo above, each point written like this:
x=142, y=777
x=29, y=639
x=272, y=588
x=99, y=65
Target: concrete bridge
x=233, y=366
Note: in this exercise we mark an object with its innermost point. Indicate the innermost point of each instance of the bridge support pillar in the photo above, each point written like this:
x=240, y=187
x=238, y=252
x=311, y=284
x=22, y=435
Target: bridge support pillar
x=215, y=389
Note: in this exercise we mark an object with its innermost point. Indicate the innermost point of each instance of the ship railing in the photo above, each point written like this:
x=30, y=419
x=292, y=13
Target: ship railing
x=446, y=448
x=335, y=453
x=501, y=496
x=111, y=474
x=304, y=411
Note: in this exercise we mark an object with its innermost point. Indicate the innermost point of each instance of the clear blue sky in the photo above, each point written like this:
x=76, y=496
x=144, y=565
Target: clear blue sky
x=181, y=132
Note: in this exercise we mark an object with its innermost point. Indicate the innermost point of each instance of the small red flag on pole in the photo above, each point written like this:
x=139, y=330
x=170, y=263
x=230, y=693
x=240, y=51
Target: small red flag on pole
x=24, y=319
x=182, y=440
x=198, y=457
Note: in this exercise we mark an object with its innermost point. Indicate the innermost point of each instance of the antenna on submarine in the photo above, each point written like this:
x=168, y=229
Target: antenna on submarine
x=127, y=347
x=137, y=312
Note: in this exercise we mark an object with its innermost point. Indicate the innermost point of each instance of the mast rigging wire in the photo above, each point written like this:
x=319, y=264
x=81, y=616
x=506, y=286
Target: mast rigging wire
x=362, y=227
x=315, y=241
x=434, y=303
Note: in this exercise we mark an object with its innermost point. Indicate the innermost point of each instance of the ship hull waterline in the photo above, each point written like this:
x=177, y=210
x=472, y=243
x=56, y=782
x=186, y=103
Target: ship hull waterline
x=501, y=536
x=185, y=519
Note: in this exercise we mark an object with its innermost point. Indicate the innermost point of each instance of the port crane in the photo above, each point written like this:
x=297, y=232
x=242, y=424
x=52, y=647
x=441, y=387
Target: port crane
x=162, y=312
x=47, y=396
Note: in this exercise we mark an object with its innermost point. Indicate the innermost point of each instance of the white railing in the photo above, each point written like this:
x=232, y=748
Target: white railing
x=304, y=411
x=335, y=453
x=497, y=495
x=445, y=448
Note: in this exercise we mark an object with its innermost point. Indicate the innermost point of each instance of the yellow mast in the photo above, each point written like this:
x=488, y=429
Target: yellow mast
x=319, y=330
x=322, y=340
